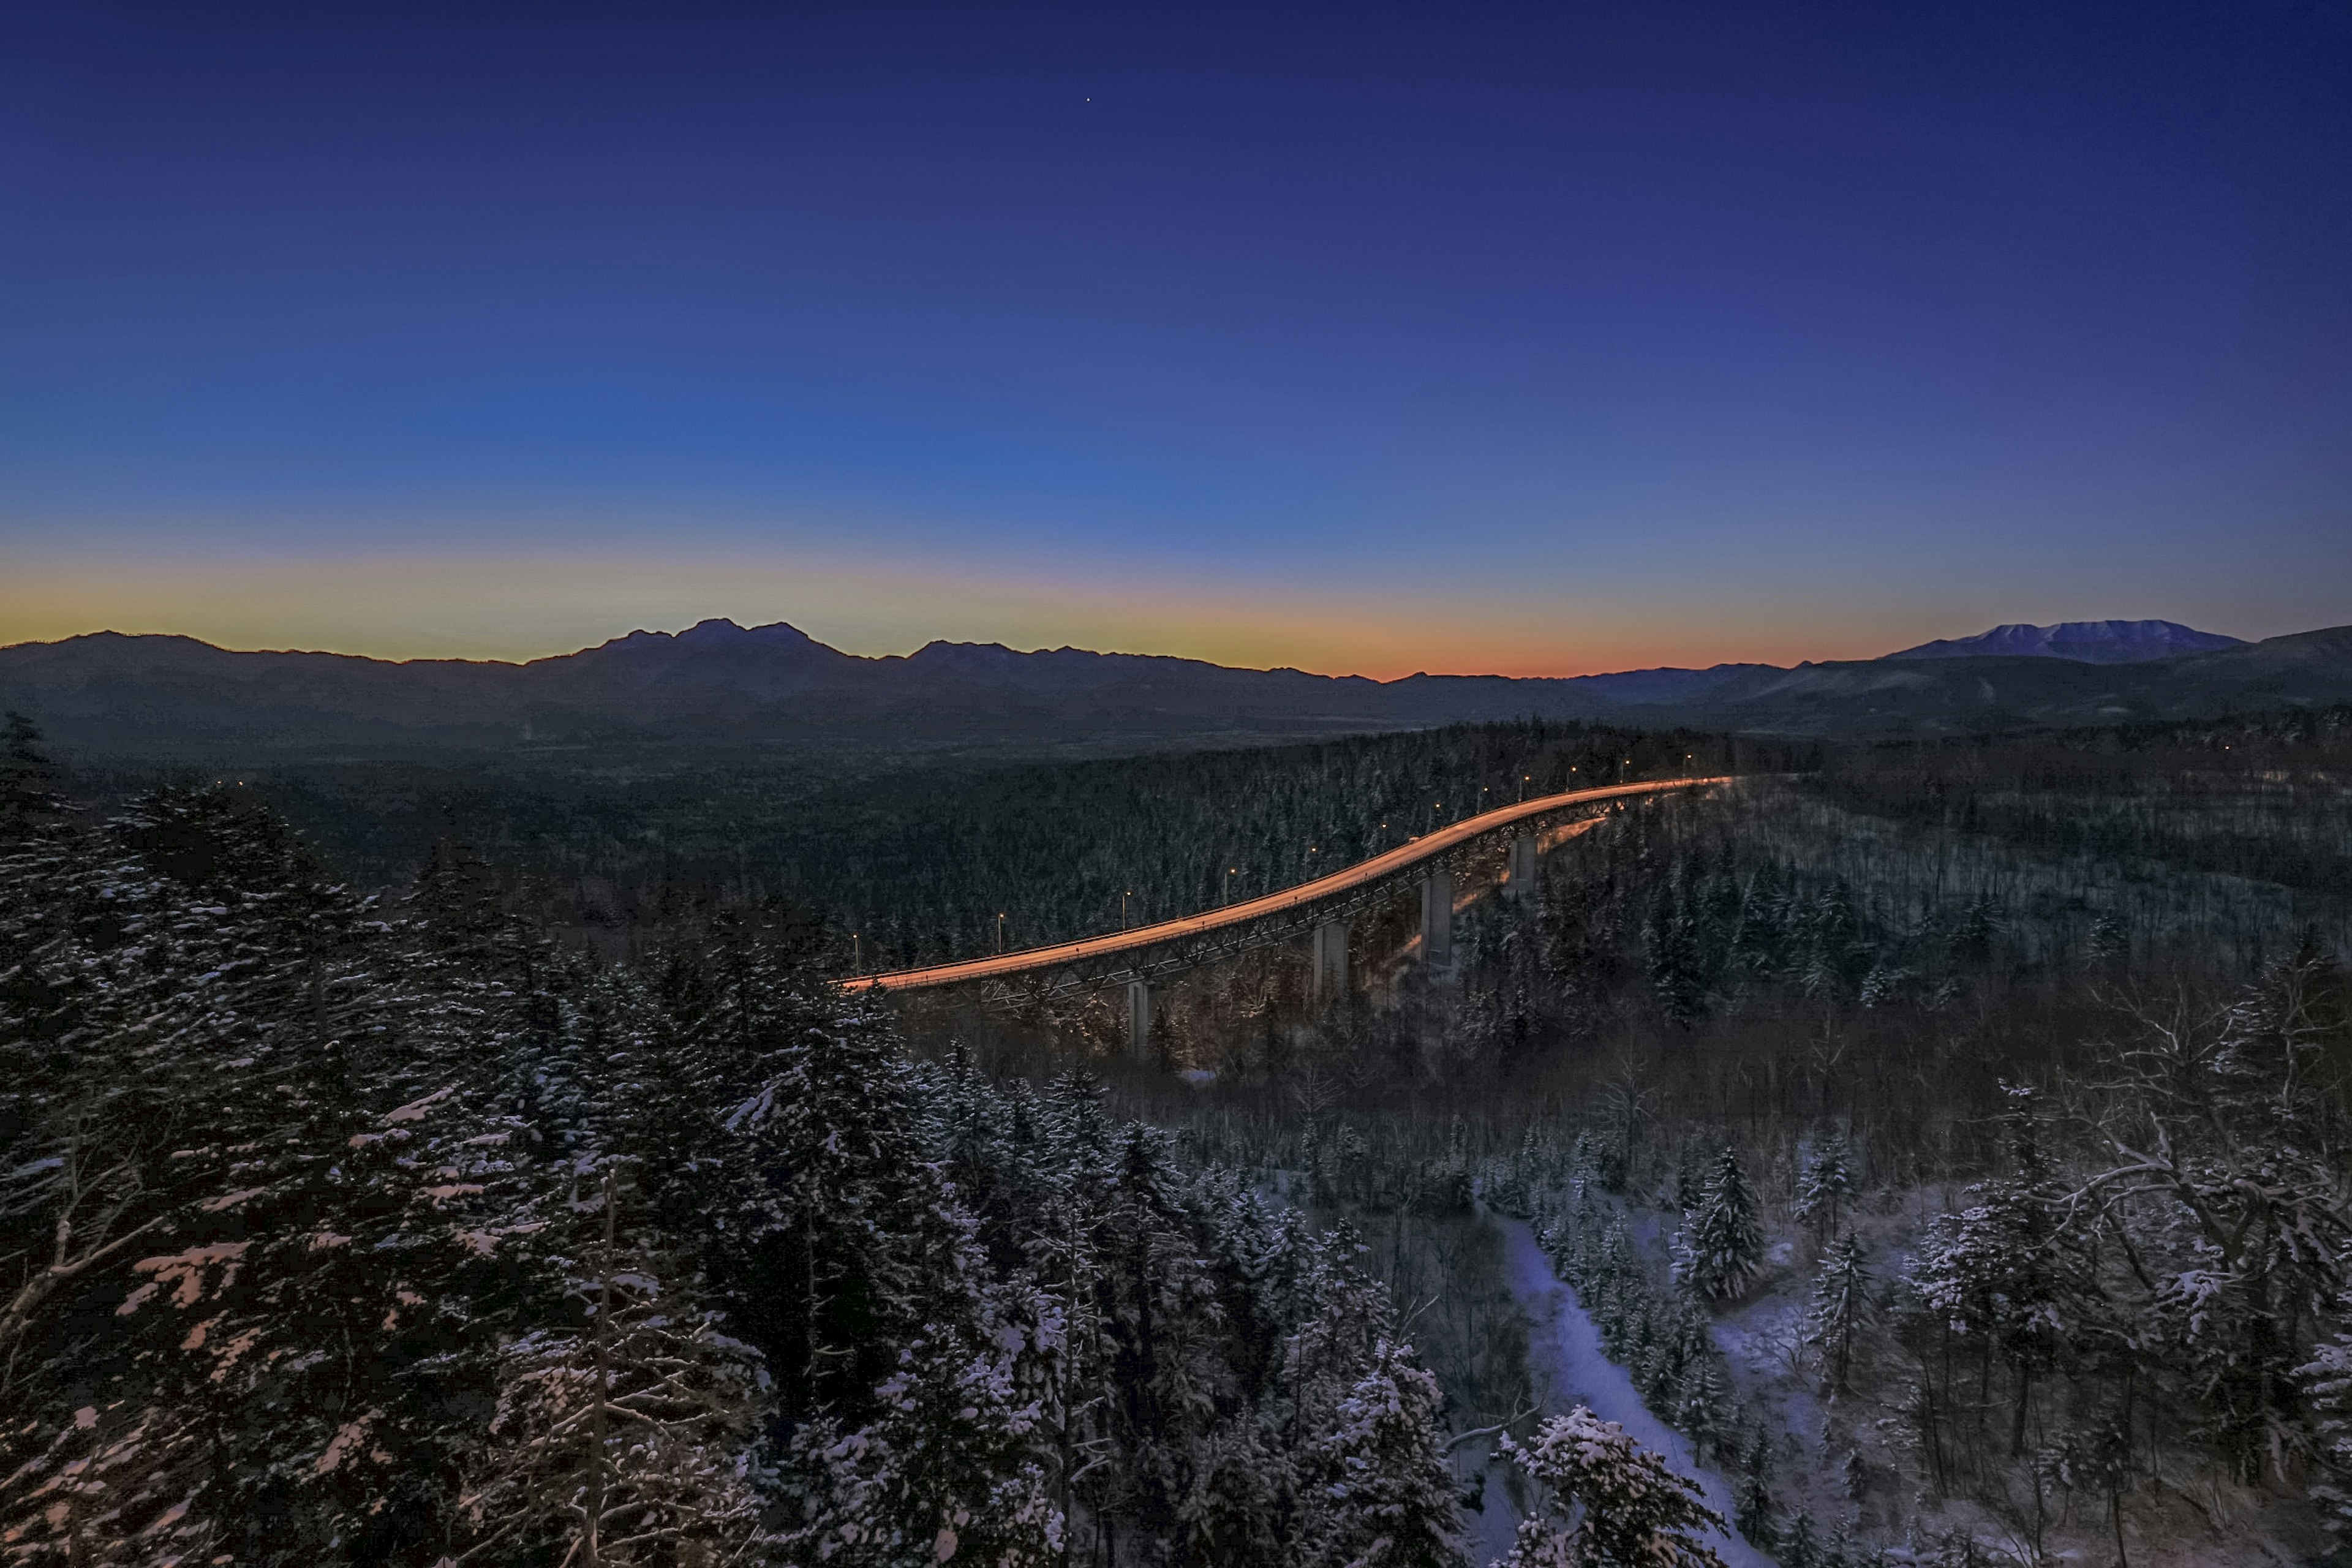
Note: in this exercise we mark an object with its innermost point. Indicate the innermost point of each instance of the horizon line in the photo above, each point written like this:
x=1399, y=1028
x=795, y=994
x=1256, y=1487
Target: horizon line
x=1065, y=647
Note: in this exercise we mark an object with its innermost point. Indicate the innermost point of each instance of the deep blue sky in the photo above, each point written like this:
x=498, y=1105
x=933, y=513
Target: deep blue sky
x=1536, y=338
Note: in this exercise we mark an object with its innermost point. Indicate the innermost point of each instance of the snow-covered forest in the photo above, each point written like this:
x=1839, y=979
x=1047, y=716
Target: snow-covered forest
x=1951, y=1142
x=1948, y=1144
x=342, y=1230
x=921, y=861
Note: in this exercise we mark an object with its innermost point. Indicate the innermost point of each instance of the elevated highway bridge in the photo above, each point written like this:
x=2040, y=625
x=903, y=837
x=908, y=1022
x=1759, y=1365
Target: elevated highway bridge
x=1321, y=908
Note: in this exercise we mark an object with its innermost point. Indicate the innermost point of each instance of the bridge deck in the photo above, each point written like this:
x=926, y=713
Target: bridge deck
x=1388, y=864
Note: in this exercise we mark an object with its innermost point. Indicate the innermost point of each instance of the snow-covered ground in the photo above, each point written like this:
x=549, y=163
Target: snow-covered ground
x=1564, y=1355
x=2196, y=1521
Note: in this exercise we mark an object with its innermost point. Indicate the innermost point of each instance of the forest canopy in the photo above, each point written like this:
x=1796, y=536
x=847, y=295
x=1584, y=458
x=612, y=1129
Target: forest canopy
x=410, y=1216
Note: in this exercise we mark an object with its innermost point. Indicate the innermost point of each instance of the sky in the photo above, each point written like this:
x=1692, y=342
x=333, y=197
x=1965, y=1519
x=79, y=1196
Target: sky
x=1534, y=339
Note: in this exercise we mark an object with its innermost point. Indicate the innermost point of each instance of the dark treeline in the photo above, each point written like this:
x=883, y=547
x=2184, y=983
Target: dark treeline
x=2261, y=797
x=1054, y=849
x=1771, y=955
x=921, y=863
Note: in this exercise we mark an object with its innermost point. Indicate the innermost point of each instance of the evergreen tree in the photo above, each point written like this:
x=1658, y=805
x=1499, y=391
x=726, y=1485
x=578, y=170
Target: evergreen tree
x=28, y=779
x=841, y=1256
x=622, y=1439
x=1604, y=1500
x=1801, y=1545
x=1824, y=1184
x=2002, y=1272
x=1243, y=1501
x=1677, y=972
x=1721, y=1247
x=1690, y=1180
x=1840, y=1304
x=2327, y=1377
x=1384, y=1497
x=1752, y=1502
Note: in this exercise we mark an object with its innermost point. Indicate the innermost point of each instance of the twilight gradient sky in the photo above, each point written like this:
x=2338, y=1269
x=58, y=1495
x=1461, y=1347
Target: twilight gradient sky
x=1540, y=339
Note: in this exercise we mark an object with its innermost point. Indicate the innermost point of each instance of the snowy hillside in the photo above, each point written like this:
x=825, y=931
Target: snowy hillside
x=2086, y=642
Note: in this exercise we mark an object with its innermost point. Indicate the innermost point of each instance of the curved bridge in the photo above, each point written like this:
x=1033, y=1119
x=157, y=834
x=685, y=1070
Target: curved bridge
x=1322, y=905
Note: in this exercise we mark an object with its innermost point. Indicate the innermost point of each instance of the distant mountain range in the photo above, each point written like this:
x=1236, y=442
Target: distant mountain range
x=2089, y=642
x=721, y=685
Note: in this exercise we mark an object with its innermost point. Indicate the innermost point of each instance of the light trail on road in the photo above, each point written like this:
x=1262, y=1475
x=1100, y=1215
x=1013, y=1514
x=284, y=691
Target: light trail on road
x=1386, y=864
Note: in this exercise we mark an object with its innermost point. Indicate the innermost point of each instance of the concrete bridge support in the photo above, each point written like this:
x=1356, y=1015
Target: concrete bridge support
x=1437, y=919
x=1330, y=964
x=1519, y=878
x=1139, y=1019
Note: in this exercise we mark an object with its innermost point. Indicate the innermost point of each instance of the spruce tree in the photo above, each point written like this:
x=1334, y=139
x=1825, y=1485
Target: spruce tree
x=1240, y=1508
x=1603, y=1500
x=1700, y=1411
x=1752, y=1498
x=1677, y=968
x=1840, y=1304
x=1384, y=1497
x=2327, y=1377
x=621, y=1439
x=838, y=1251
x=1824, y=1184
x=1801, y=1545
x=1721, y=1247
x=28, y=779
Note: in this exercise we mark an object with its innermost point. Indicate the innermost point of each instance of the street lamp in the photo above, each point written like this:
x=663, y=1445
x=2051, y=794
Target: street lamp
x=856, y=955
x=1122, y=906
x=1000, y=931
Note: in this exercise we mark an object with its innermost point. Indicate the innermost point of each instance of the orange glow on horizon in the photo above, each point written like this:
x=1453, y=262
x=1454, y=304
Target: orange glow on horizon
x=518, y=609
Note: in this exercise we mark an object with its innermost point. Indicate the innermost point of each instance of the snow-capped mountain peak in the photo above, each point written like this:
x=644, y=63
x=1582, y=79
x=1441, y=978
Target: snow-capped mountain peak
x=2086, y=642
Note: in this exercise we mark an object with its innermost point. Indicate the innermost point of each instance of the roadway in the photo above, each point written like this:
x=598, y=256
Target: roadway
x=1388, y=864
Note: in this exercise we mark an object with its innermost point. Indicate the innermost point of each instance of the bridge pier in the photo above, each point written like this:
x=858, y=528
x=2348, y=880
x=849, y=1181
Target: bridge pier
x=1519, y=877
x=1330, y=971
x=1437, y=919
x=1139, y=1019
